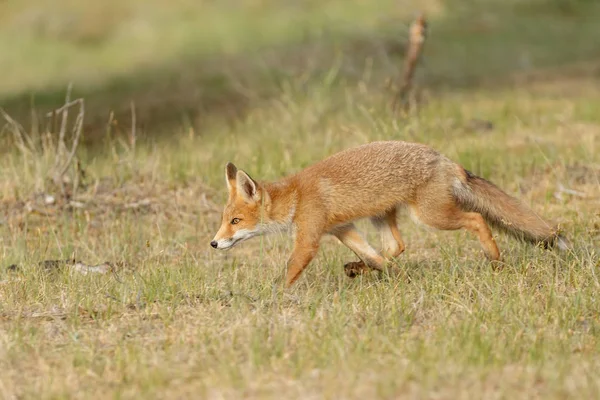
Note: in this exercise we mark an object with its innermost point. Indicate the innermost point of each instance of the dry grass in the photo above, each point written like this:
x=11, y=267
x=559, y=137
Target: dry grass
x=186, y=321
x=181, y=320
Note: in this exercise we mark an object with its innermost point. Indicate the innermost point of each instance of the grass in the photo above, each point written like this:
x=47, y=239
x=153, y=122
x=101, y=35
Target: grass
x=182, y=320
x=183, y=64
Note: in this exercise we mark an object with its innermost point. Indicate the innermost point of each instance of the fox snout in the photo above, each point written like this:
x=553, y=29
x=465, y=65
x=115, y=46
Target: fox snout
x=223, y=238
x=238, y=236
x=222, y=243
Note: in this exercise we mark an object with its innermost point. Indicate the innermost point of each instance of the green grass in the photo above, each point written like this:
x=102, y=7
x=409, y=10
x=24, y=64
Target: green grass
x=185, y=321
x=183, y=64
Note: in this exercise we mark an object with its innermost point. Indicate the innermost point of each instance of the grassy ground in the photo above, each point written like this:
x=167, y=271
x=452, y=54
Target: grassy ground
x=183, y=320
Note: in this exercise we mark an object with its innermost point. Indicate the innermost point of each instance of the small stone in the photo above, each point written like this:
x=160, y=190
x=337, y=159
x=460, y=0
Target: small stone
x=49, y=199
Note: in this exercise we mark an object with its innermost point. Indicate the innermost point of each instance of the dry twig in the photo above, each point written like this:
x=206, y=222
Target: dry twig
x=64, y=158
x=133, y=137
x=19, y=134
x=418, y=32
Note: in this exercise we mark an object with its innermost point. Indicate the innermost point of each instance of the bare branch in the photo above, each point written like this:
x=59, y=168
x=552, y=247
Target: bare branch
x=133, y=137
x=18, y=132
x=61, y=146
x=77, y=129
x=63, y=108
x=418, y=32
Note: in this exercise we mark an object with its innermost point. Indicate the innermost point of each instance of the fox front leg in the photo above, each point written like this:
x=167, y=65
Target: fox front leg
x=305, y=249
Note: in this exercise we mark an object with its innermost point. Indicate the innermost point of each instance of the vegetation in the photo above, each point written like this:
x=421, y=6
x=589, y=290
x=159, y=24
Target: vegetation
x=509, y=89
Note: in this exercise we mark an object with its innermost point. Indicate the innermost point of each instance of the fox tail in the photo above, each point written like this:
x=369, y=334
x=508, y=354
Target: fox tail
x=506, y=213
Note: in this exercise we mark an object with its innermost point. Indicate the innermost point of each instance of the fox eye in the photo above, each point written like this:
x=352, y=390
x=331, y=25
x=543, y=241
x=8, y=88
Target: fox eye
x=235, y=221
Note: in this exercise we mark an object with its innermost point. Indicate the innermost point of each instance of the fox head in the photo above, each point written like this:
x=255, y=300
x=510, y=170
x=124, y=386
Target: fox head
x=245, y=214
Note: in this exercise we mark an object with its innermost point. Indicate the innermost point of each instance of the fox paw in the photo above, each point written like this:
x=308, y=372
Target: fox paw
x=355, y=268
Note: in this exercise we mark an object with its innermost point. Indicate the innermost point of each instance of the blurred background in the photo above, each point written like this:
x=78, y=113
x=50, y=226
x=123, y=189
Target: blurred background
x=182, y=63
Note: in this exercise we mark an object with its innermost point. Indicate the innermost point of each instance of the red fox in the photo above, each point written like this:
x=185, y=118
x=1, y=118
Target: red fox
x=374, y=180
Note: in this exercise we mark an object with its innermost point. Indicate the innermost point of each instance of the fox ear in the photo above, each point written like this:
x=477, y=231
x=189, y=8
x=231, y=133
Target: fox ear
x=230, y=174
x=246, y=187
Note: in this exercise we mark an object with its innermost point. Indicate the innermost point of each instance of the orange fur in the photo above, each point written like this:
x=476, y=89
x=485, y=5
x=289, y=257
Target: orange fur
x=373, y=180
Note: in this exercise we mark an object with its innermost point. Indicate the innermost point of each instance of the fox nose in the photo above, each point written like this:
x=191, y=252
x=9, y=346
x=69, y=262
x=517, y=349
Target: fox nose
x=214, y=244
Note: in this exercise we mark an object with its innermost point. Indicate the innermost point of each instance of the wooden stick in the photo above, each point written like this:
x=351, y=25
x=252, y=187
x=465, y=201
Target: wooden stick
x=418, y=33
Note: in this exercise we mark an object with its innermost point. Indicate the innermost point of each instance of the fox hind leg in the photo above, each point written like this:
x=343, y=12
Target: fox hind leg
x=393, y=245
x=475, y=224
x=354, y=240
x=447, y=216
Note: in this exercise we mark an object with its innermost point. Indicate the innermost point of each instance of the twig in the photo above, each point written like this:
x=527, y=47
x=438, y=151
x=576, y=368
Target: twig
x=110, y=296
x=77, y=129
x=133, y=128
x=417, y=35
x=562, y=189
x=63, y=108
x=138, y=204
x=63, y=159
x=60, y=146
x=18, y=132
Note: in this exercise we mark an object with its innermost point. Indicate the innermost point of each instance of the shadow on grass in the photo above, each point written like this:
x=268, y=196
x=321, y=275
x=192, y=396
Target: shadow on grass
x=467, y=49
